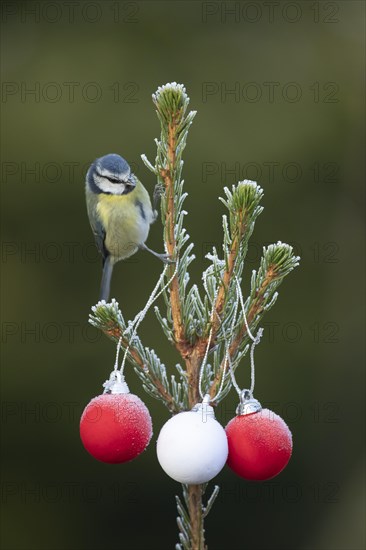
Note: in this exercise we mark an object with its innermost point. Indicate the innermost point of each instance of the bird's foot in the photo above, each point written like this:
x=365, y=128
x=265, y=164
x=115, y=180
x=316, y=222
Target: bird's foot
x=158, y=191
x=165, y=258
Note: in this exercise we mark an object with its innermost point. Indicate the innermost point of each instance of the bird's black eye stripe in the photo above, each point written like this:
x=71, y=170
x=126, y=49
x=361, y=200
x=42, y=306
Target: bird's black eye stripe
x=112, y=180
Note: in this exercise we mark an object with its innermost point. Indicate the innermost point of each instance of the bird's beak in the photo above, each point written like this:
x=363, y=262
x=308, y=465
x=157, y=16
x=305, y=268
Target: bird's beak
x=131, y=182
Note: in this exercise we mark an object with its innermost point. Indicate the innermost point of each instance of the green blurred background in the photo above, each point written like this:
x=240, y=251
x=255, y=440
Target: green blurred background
x=294, y=123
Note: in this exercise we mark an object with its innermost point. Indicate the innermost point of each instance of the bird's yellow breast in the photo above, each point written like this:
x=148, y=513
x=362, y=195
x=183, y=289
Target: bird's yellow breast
x=107, y=206
x=125, y=226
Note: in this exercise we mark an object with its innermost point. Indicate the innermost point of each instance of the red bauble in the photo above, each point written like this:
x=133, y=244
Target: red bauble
x=260, y=445
x=115, y=428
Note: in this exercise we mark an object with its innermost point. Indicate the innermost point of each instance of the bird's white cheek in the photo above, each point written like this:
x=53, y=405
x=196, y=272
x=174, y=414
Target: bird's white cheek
x=107, y=187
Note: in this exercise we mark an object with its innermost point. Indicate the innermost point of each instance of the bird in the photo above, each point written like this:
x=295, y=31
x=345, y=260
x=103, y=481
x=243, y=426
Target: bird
x=120, y=214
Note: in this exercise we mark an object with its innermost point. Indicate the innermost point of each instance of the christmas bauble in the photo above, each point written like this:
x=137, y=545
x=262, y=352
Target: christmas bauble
x=260, y=445
x=115, y=428
x=192, y=446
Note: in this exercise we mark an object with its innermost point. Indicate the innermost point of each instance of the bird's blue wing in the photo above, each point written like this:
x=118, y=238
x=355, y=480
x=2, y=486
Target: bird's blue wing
x=96, y=225
x=99, y=235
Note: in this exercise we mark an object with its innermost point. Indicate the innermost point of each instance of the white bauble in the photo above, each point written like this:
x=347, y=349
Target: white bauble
x=192, y=446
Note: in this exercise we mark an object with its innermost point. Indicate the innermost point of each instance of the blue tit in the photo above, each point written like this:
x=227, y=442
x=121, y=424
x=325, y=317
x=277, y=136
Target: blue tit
x=120, y=213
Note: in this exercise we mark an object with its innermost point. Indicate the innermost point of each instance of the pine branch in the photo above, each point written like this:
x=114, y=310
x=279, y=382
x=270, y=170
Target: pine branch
x=243, y=204
x=277, y=262
x=190, y=517
x=108, y=318
x=211, y=501
x=171, y=102
x=183, y=519
x=180, y=323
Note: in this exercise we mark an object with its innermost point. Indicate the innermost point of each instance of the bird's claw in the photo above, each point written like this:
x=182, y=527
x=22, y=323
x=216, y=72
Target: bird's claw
x=167, y=259
x=158, y=191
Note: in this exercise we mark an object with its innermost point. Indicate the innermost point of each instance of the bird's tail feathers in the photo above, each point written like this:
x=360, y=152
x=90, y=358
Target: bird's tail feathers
x=105, y=286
